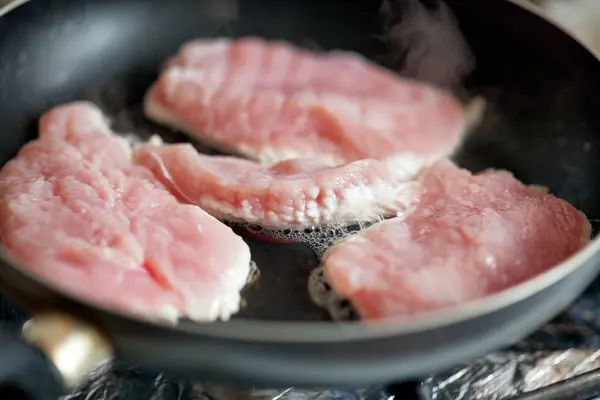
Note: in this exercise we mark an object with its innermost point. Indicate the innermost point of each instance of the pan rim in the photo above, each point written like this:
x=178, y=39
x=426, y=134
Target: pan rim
x=319, y=331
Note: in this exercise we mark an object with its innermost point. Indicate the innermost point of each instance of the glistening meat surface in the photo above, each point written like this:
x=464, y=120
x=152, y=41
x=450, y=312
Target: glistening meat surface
x=76, y=212
x=291, y=194
x=270, y=101
x=470, y=236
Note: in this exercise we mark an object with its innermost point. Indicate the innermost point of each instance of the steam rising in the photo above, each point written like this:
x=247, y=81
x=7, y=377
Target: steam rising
x=426, y=42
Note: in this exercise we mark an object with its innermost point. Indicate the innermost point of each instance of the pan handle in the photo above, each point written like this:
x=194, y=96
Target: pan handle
x=57, y=353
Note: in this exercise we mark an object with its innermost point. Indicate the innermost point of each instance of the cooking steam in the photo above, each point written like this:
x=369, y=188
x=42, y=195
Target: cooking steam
x=426, y=42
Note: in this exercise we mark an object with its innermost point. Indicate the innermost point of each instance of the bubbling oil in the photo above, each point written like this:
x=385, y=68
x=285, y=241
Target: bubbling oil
x=318, y=240
x=323, y=295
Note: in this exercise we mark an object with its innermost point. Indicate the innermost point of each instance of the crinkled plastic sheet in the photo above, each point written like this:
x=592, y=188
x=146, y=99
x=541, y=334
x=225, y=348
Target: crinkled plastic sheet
x=495, y=377
x=507, y=375
x=558, y=361
x=130, y=385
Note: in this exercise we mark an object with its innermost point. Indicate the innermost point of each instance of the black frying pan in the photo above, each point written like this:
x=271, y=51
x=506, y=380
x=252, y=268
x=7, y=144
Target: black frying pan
x=542, y=123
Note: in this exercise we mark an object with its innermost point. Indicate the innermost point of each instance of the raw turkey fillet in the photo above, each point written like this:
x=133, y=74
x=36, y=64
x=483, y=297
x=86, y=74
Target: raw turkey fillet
x=270, y=101
x=292, y=194
x=470, y=236
x=76, y=212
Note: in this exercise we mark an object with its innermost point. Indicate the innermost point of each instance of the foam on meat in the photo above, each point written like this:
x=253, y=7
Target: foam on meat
x=291, y=194
x=470, y=236
x=270, y=101
x=76, y=212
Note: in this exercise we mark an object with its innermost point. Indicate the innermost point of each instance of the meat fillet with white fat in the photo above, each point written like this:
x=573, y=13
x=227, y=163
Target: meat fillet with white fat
x=292, y=194
x=75, y=211
x=470, y=236
x=270, y=101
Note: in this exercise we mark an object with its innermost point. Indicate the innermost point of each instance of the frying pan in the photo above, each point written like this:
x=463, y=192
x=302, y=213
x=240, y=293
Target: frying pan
x=542, y=123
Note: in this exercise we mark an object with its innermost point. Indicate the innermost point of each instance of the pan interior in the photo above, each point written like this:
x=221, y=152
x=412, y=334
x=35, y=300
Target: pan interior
x=541, y=122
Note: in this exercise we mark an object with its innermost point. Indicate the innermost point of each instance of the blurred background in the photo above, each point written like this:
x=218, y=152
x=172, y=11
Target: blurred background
x=581, y=17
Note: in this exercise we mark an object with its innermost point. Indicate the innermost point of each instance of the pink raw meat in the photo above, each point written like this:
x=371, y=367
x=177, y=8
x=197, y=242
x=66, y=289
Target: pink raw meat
x=470, y=236
x=76, y=212
x=292, y=194
x=270, y=101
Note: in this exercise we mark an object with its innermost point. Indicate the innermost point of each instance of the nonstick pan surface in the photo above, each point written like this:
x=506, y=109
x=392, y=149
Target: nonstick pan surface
x=541, y=123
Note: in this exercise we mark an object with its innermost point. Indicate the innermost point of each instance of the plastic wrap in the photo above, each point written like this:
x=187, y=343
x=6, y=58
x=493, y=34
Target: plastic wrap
x=498, y=376
x=506, y=375
x=495, y=377
x=546, y=362
x=128, y=384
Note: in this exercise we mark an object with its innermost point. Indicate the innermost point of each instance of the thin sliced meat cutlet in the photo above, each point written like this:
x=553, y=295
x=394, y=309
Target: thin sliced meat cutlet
x=76, y=212
x=292, y=194
x=269, y=101
x=470, y=236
